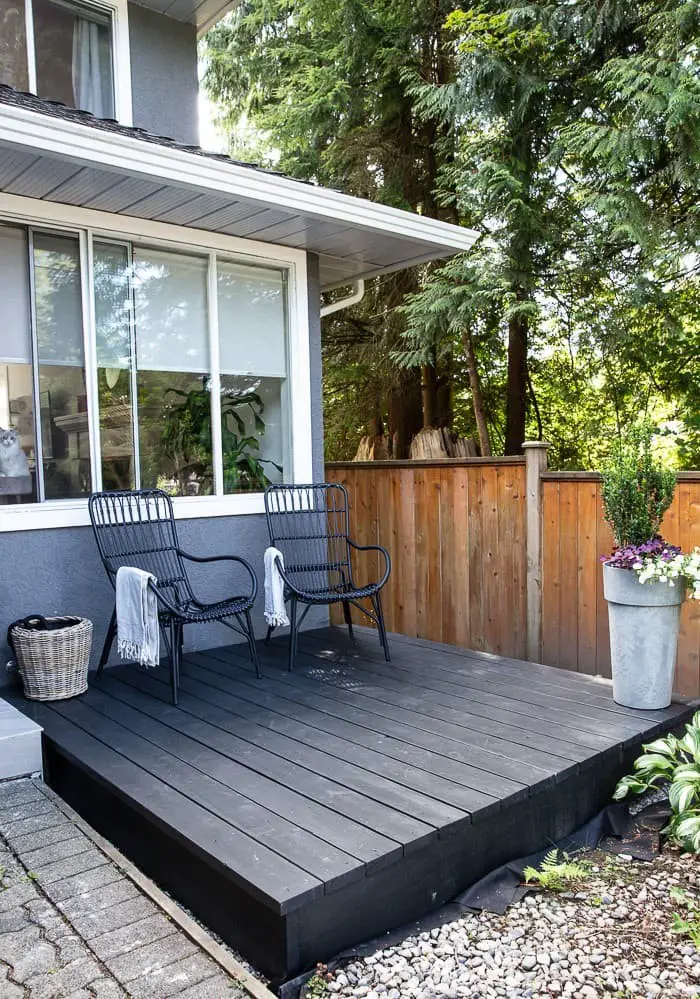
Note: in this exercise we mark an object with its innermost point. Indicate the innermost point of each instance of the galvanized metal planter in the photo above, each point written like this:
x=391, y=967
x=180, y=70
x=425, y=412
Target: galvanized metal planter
x=644, y=622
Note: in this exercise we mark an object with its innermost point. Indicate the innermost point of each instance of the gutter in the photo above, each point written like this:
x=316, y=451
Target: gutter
x=353, y=298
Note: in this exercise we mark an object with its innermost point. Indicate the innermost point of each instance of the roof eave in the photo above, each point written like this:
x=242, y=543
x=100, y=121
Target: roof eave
x=84, y=144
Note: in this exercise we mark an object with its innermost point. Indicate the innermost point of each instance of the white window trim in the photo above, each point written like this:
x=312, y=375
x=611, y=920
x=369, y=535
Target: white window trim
x=121, y=55
x=74, y=513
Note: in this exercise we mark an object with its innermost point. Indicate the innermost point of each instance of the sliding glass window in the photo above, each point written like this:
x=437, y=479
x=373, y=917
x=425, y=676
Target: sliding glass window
x=18, y=476
x=62, y=390
x=174, y=376
x=137, y=399
x=253, y=361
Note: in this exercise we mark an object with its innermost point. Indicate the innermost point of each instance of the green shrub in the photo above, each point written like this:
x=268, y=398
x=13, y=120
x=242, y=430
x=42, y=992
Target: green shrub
x=675, y=762
x=637, y=489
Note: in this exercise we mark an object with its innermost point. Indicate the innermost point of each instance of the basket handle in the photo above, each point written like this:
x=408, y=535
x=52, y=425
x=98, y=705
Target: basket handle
x=34, y=622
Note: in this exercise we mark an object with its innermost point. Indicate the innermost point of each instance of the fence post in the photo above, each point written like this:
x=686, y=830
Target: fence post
x=535, y=465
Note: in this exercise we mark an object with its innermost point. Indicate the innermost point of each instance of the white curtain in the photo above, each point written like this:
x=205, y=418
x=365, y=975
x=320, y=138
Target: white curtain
x=87, y=69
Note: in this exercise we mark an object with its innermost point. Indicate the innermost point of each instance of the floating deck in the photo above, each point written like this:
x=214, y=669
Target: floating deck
x=304, y=812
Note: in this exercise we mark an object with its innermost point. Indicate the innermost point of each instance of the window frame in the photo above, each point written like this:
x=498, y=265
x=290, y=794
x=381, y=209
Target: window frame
x=117, y=11
x=92, y=225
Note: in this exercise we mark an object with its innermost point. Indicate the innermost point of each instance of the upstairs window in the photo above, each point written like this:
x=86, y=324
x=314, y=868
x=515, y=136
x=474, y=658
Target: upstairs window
x=73, y=56
x=70, y=52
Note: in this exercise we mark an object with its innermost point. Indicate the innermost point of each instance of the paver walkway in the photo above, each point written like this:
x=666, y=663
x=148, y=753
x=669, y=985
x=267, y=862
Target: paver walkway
x=73, y=926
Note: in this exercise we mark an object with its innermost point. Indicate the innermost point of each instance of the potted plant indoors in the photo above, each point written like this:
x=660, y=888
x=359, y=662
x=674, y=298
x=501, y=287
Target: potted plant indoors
x=645, y=579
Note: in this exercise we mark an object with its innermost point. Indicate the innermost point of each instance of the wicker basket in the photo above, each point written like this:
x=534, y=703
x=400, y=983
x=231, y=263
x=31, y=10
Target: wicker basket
x=53, y=656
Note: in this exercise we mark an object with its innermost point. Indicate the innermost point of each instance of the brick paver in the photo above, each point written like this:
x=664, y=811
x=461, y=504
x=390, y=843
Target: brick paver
x=73, y=926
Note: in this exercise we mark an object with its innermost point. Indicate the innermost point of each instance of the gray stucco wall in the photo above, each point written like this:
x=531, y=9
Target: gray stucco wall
x=164, y=75
x=58, y=571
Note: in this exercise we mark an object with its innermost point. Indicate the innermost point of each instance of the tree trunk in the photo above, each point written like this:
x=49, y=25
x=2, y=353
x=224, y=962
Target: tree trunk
x=405, y=412
x=516, y=392
x=477, y=396
x=428, y=394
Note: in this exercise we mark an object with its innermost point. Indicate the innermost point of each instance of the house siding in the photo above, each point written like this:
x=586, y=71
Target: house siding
x=58, y=571
x=164, y=75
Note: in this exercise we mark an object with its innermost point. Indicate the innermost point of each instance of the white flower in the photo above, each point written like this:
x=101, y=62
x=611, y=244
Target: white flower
x=685, y=568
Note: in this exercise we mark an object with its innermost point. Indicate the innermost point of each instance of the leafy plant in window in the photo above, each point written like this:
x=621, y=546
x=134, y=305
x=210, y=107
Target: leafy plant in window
x=187, y=436
x=675, y=762
x=243, y=470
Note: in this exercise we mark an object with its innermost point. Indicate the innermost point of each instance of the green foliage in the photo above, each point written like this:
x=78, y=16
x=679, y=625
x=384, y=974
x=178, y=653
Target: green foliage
x=566, y=134
x=675, y=762
x=637, y=489
x=317, y=986
x=187, y=435
x=557, y=872
x=687, y=925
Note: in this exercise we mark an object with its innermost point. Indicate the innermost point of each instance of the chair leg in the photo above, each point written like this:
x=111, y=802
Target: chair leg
x=251, y=643
x=109, y=640
x=175, y=656
x=292, y=632
x=379, y=610
x=348, y=616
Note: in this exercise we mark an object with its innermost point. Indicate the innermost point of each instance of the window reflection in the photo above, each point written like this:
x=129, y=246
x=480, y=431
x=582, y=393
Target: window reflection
x=172, y=359
x=62, y=390
x=114, y=364
x=17, y=441
x=74, y=56
x=13, y=45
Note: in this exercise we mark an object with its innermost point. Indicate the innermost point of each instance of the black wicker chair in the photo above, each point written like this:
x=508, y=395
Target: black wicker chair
x=137, y=528
x=310, y=526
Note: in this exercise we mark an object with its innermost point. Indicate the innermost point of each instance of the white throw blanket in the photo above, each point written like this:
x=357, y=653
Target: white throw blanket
x=275, y=611
x=138, y=638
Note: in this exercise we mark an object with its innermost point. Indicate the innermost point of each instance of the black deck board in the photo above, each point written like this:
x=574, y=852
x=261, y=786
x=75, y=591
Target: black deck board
x=367, y=828
x=276, y=880
x=335, y=748
x=400, y=742
x=540, y=680
x=520, y=695
x=398, y=704
x=489, y=753
x=475, y=728
x=300, y=813
x=493, y=711
x=397, y=798
x=354, y=839
x=319, y=858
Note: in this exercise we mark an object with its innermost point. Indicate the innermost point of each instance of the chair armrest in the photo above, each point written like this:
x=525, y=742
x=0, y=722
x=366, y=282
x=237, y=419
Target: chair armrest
x=285, y=578
x=225, y=558
x=170, y=607
x=375, y=548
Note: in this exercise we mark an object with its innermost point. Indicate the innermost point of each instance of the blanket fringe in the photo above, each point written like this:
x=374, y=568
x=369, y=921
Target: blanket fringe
x=134, y=652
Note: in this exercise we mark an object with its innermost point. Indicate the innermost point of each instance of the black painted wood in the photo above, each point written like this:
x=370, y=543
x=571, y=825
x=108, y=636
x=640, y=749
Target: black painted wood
x=303, y=812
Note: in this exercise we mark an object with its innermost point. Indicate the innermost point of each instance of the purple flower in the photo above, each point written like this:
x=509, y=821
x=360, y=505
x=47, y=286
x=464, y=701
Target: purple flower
x=634, y=556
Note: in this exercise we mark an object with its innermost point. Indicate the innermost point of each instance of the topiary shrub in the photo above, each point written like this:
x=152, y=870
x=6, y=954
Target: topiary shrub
x=637, y=489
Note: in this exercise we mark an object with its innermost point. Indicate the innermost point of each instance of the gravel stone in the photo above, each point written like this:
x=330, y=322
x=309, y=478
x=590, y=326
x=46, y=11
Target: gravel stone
x=609, y=936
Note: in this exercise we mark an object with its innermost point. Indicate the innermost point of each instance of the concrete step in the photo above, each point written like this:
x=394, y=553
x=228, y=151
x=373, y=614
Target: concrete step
x=20, y=743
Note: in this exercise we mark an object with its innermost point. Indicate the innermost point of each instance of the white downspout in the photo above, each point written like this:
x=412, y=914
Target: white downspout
x=343, y=303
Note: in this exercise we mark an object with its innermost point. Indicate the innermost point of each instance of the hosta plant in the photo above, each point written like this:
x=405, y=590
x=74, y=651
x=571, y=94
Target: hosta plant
x=675, y=762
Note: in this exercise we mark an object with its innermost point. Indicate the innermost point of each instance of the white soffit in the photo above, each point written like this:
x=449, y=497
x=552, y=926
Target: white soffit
x=202, y=13
x=47, y=157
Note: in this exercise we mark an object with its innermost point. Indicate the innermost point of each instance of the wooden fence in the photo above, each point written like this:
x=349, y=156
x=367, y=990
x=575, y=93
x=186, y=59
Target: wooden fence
x=491, y=555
